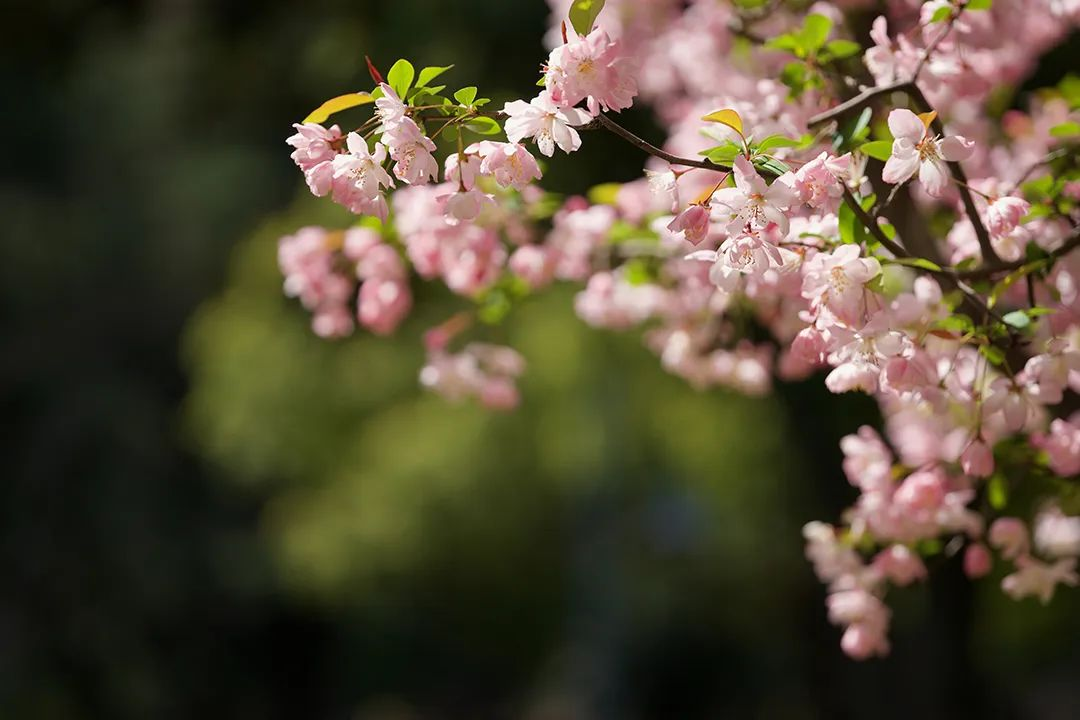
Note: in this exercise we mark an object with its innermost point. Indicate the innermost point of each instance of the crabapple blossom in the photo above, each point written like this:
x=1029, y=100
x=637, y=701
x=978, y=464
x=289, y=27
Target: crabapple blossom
x=1005, y=213
x=547, y=123
x=1056, y=534
x=1033, y=577
x=977, y=561
x=1062, y=446
x=509, y=163
x=364, y=175
x=752, y=203
x=915, y=150
x=590, y=68
x=1009, y=535
x=954, y=304
x=692, y=223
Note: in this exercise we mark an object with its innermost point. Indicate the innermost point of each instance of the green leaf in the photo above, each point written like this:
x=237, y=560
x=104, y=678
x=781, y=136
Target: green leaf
x=815, y=31
x=997, y=491
x=916, y=262
x=722, y=154
x=1017, y=318
x=430, y=73
x=878, y=149
x=466, y=95
x=583, y=14
x=727, y=117
x=334, y=105
x=1010, y=279
x=1066, y=129
x=992, y=353
x=958, y=323
x=787, y=42
x=794, y=76
x=851, y=230
x=771, y=165
x=400, y=77
x=604, y=194
x=483, y=125
x=840, y=49
x=941, y=13
x=775, y=141
x=979, y=4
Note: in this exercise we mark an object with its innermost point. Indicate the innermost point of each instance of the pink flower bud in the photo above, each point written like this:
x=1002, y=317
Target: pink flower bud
x=861, y=642
x=977, y=460
x=923, y=490
x=531, y=264
x=900, y=565
x=1010, y=536
x=383, y=304
x=977, y=561
x=693, y=223
x=1005, y=213
x=500, y=394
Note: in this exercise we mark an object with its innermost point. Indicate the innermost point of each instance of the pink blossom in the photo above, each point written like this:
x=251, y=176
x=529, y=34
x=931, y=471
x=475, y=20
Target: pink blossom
x=832, y=559
x=590, y=68
x=867, y=622
x=481, y=371
x=977, y=460
x=383, y=304
x=1057, y=534
x=313, y=144
x=977, y=561
x=332, y=321
x=1038, y=578
x=835, y=283
x=1062, y=447
x=466, y=205
x=887, y=63
x=1005, y=213
x=411, y=151
x=1010, y=536
x=547, y=123
x=389, y=108
x=462, y=169
x=692, y=223
x=900, y=565
x=363, y=175
x=820, y=182
x=664, y=185
x=532, y=264
x=921, y=490
x=867, y=461
x=915, y=150
x=510, y=163
x=753, y=204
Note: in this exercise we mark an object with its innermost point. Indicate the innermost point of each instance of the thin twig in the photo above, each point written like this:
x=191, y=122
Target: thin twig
x=651, y=149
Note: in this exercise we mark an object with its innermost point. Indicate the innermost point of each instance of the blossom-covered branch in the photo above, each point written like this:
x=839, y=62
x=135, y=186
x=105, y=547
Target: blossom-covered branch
x=760, y=243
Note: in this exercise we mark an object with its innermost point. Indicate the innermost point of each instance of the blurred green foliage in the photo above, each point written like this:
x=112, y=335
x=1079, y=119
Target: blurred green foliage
x=239, y=520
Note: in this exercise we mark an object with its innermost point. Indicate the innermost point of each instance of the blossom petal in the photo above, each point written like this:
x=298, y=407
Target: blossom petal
x=905, y=124
x=934, y=174
x=956, y=148
x=902, y=164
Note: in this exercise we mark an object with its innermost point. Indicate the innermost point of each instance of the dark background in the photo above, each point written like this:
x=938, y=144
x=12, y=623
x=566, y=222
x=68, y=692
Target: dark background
x=207, y=512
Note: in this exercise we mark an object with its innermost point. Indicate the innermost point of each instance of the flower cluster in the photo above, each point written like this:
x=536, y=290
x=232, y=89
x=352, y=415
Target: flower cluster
x=924, y=258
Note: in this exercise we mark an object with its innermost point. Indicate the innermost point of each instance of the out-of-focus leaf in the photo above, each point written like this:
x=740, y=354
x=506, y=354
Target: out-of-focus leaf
x=878, y=149
x=337, y=104
x=583, y=14
x=727, y=117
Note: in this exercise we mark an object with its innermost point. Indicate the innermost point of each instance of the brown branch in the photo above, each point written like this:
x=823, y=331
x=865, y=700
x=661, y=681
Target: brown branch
x=1072, y=242
x=607, y=123
x=857, y=103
